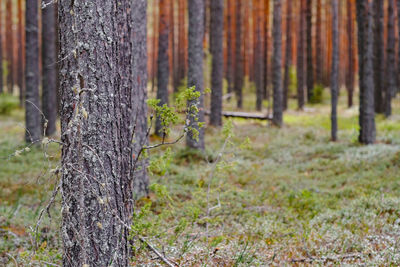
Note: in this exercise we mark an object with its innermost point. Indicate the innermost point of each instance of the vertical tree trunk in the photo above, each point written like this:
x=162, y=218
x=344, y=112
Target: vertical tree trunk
x=277, y=118
x=230, y=47
x=20, y=74
x=181, y=42
x=239, y=63
x=365, y=49
x=173, y=46
x=32, y=109
x=154, y=45
x=1, y=50
x=379, y=55
x=350, y=53
x=163, y=60
x=300, y=57
x=266, y=49
x=335, y=69
x=310, y=63
x=398, y=62
x=318, y=44
x=288, y=56
x=390, y=81
x=49, y=76
x=216, y=35
x=99, y=102
x=195, y=72
x=258, y=60
x=9, y=46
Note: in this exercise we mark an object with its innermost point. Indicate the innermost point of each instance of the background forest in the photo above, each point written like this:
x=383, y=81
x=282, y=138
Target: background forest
x=199, y=133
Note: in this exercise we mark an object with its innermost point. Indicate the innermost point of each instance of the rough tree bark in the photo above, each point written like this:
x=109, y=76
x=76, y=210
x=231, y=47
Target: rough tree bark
x=288, y=54
x=365, y=49
x=351, y=58
x=318, y=44
x=335, y=69
x=49, y=75
x=9, y=46
x=195, y=72
x=379, y=55
x=390, y=81
x=216, y=35
x=163, y=60
x=20, y=64
x=300, y=57
x=239, y=61
x=32, y=109
x=1, y=52
x=98, y=116
x=398, y=63
x=277, y=117
x=310, y=63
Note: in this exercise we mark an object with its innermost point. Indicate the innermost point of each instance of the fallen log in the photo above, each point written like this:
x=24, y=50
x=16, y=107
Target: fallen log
x=243, y=115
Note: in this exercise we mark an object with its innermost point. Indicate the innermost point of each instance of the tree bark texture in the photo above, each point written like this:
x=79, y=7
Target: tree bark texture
x=239, y=60
x=266, y=49
x=288, y=54
x=365, y=47
x=101, y=43
x=277, y=117
x=310, y=63
x=163, y=60
x=300, y=57
x=379, y=55
x=1, y=52
x=32, y=109
x=195, y=71
x=390, y=80
x=318, y=44
x=49, y=75
x=216, y=35
x=335, y=69
x=351, y=54
x=9, y=46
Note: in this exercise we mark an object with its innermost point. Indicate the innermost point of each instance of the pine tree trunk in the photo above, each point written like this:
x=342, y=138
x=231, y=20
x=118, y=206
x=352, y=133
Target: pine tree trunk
x=310, y=64
x=335, y=69
x=49, y=76
x=230, y=47
x=288, y=56
x=9, y=46
x=365, y=49
x=266, y=49
x=195, y=72
x=239, y=63
x=100, y=82
x=318, y=44
x=258, y=60
x=351, y=52
x=163, y=60
x=32, y=105
x=300, y=58
x=390, y=81
x=181, y=42
x=216, y=35
x=1, y=52
x=277, y=117
x=379, y=55
x=20, y=74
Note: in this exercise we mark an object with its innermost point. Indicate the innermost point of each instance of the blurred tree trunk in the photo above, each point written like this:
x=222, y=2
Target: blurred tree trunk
x=277, y=117
x=379, y=55
x=32, y=105
x=163, y=60
x=335, y=69
x=181, y=43
x=101, y=82
x=195, y=72
x=9, y=46
x=216, y=38
x=258, y=59
x=390, y=80
x=20, y=62
x=239, y=63
x=398, y=62
x=266, y=55
x=365, y=49
x=230, y=47
x=49, y=75
x=318, y=44
x=300, y=57
x=310, y=63
x=350, y=53
x=1, y=51
x=154, y=46
x=288, y=56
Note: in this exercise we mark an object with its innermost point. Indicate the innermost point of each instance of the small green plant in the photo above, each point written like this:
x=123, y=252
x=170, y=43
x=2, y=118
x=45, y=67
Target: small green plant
x=318, y=94
x=8, y=103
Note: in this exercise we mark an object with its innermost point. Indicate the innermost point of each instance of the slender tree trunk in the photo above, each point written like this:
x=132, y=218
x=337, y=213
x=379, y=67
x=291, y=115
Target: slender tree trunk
x=318, y=44
x=99, y=111
x=154, y=46
x=390, y=81
x=310, y=63
x=163, y=60
x=379, y=55
x=266, y=49
x=230, y=47
x=173, y=46
x=335, y=69
x=49, y=76
x=239, y=63
x=365, y=49
x=20, y=74
x=398, y=62
x=258, y=60
x=216, y=35
x=32, y=109
x=9, y=46
x=288, y=56
x=195, y=72
x=181, y=42
x=277, y=118
x=1, y=50
x=351, y=52
x=300, y=58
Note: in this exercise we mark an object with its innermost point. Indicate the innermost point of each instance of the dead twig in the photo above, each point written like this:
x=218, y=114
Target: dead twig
x=164, y=259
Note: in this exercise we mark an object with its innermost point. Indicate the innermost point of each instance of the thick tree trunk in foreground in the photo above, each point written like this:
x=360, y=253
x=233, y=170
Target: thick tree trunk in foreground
x=379, y=55
x=277, y=117
x=288, y=55
x=239, y=63
x=350, y=52
x=49, y=75
x=310, y=63
x=335, y=69
x=300, y=57
x=32, y=105
x=390, y=81
x=365, y=49
x=9, y=46
x=216, y=34
x=163, y=60
x=98, y=116
x=195, y=72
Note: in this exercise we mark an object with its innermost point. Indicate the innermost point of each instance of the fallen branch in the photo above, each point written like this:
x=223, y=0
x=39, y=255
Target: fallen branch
x=325, y=259
x=164, y=259
x=243, y=115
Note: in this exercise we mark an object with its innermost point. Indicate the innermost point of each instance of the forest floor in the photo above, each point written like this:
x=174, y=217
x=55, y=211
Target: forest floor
x=289, y=196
